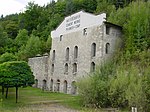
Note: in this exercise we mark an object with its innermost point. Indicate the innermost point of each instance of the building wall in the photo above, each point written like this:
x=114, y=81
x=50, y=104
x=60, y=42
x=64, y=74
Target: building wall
x=95, y=34
x=56, y=74
x=39, y=67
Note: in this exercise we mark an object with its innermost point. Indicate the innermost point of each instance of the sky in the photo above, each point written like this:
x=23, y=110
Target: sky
x=15, y=6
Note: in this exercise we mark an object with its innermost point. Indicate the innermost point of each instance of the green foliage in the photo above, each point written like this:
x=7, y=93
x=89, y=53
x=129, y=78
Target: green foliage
x=48, y=44
x=123, y=83
x=32, y=48
x=135, y=20
x=105, y=6
x=94, y=89
x=22, y=37
x=15, y=74
x=7, y=57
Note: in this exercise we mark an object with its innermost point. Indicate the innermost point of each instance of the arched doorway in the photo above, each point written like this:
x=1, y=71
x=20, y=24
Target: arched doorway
x=65, y=86
x=73, y=87
x=58, y=85
x=36, y=83
x=51, y=85
x=44, y=84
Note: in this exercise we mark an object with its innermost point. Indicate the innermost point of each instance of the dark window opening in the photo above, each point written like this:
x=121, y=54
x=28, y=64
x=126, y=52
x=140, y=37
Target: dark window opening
x=107, y=49
x=93, y=50
x=61, y=37
x=74, y=68
x=67, y=54
x=85, y=31
x=75, y=52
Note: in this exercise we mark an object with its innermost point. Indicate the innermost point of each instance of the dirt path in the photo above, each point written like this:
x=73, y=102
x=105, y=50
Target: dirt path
x=49, y=107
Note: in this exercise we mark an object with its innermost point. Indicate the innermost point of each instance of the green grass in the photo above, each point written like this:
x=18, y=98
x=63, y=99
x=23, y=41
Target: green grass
x=30, y=96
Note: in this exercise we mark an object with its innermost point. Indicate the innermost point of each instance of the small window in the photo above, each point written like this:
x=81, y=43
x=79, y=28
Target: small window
x=74, y=68
x=107, y=30
x=67, y=54
x=66, y=68
x=85, y=31
x=75, y=52
x=61, y=36
x=52, y=70
x=93, y=50
x=92, y=67
x=107, y=48
x=53, y=56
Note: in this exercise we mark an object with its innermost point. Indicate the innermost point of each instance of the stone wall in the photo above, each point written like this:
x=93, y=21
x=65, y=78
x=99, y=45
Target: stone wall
x=74, y=54
x=39, y=67
x=84, y=61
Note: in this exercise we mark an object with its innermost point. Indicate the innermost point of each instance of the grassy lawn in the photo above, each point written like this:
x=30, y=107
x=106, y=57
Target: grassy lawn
x=30, y=96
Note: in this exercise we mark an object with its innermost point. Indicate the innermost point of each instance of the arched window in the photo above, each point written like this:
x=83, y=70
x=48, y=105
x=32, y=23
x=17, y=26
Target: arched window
x=58, y=85
x=65, y=86
x=61, y=37
x=51, y=85
x=73, y=88
x=93, y=50
x=75, y=52
x=67, y=54
x=107, y=48
x=92, y=67
x=53, y=55
x=74, y=68
x=52, y=70
x=66, y=68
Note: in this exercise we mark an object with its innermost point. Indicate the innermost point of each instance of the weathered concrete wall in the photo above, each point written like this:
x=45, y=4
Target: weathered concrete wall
x=39, y=67
x=95, y=34
x=55, y=73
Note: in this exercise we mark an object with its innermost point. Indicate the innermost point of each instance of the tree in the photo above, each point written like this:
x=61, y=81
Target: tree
x=22, y=37
x=15, y=74
x=7, y=57
x=32, y=48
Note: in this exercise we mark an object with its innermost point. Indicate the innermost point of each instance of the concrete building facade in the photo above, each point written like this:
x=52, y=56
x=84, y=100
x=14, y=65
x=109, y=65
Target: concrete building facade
x=80, y=42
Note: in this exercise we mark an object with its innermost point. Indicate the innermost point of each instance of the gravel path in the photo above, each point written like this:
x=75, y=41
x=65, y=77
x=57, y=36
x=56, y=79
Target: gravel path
x=50, y=108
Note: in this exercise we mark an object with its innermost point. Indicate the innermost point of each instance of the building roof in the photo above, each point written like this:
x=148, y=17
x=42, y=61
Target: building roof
x=113, y=25
x=78, y=21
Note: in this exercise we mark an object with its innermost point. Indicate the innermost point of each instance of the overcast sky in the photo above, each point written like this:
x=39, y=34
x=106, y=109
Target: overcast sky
x=16, y=6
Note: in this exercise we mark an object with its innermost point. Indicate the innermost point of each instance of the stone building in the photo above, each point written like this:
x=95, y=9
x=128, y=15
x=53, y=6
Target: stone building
x=80, y=42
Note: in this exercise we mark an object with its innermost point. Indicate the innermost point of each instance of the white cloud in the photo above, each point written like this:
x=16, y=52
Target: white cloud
x=16, y=6
x=9, y=7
